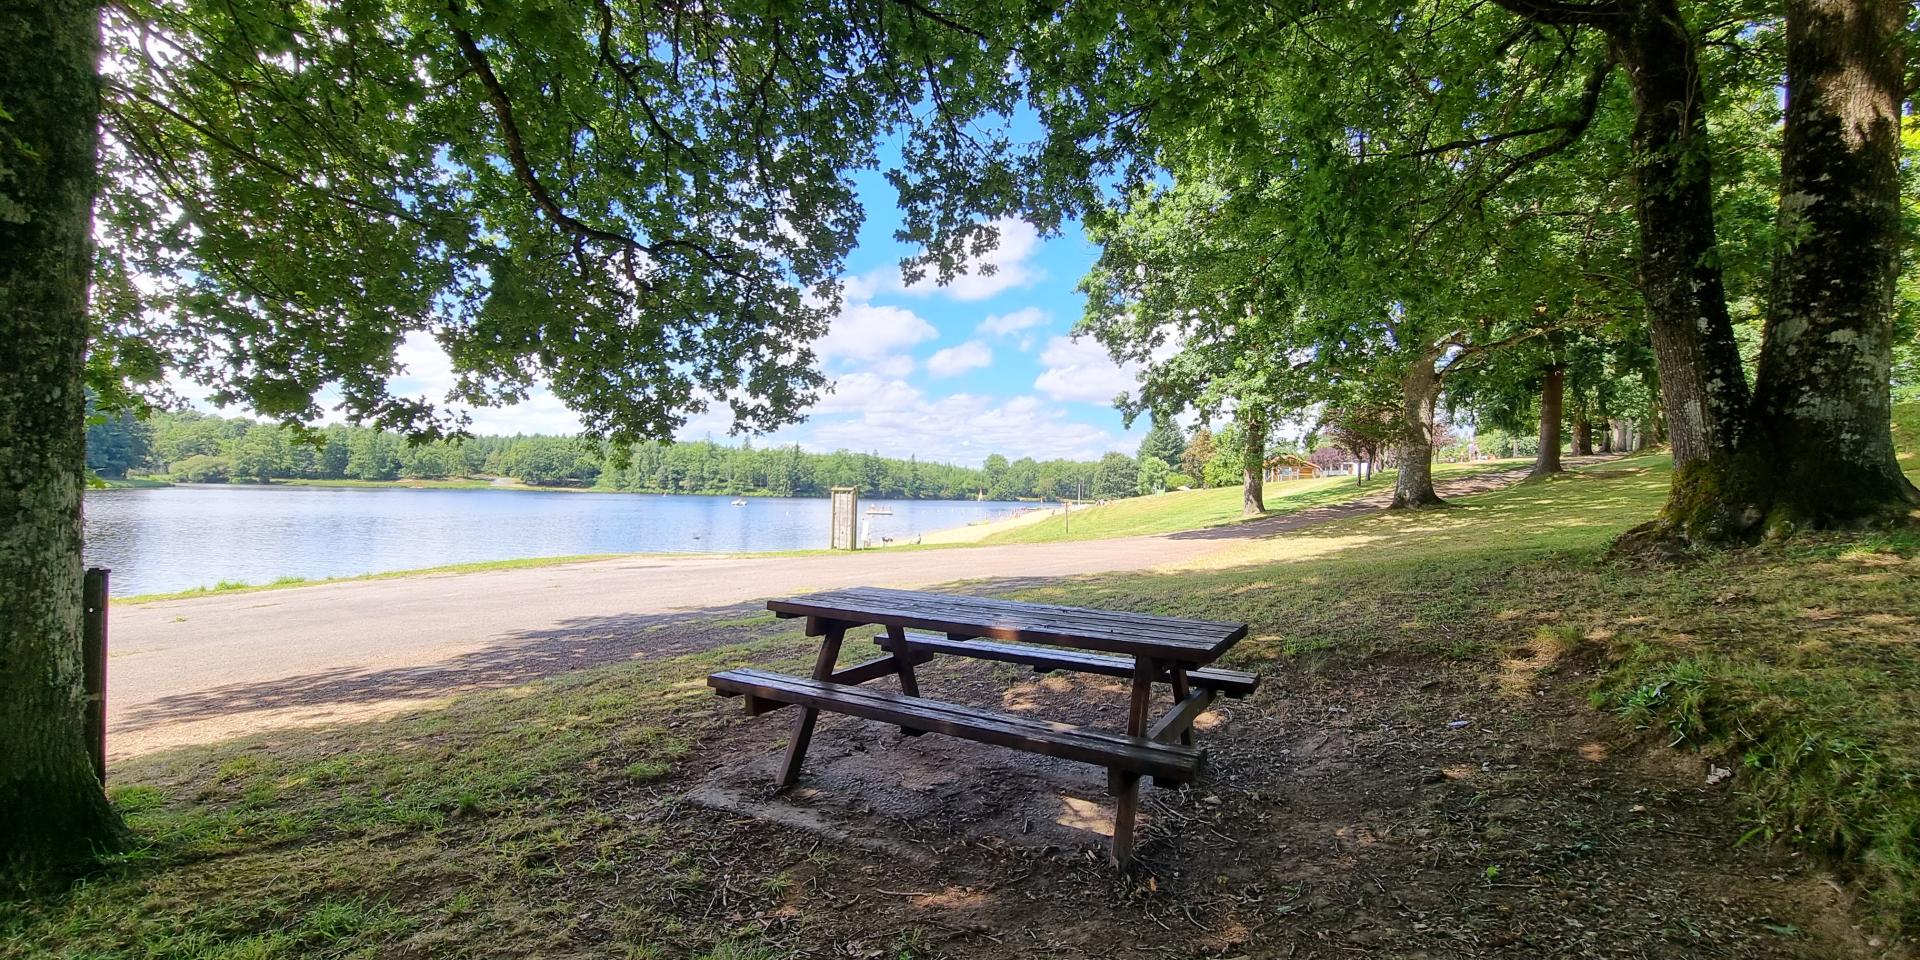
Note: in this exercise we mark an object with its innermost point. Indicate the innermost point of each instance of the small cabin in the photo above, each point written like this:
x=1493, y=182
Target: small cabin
x=1289, y=466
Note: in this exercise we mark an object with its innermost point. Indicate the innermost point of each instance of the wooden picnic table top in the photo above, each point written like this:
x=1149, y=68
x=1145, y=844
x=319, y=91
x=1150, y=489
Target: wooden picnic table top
x=1176, y=639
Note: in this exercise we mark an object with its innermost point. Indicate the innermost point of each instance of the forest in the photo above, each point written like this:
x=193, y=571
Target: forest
x=194, y=447
x=201, y=448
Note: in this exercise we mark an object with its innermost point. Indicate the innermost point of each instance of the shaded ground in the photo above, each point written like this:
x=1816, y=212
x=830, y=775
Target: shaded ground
x=1412, y=811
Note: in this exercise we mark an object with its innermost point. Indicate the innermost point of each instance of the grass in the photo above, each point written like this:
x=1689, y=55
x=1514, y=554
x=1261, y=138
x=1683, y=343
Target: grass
x=131, y=483
x=542, y=819
x=478, y=566
x=1219, y=506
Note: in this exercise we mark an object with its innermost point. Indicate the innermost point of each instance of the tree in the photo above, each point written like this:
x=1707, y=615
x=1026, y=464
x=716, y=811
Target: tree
x=1153, y=474
x=1199, y=450
x=57, y=813
x=118, y=442
x=1163, y=441
x=1809, y=441
x=1460, y=107
x=1117, y=476
x=590, y=196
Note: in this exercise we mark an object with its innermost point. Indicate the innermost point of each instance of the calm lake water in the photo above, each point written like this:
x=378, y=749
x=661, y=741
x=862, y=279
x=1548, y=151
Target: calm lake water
x=180, y=537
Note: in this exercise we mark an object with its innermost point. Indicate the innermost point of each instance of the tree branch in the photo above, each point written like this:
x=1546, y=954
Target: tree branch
x=1555, y=13
x=523, y=168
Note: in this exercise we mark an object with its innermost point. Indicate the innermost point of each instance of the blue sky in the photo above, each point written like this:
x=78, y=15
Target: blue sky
x=983, y=365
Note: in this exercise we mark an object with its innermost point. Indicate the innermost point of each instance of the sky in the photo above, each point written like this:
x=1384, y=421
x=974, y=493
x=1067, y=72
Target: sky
x=949, y=373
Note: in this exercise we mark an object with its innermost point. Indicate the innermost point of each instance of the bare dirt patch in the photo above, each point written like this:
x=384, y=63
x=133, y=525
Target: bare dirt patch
x=1435, y=810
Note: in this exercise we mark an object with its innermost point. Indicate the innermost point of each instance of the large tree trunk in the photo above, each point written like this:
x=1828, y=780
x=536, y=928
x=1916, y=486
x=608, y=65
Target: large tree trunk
x=56, y=815
x=1419, y=392
x=1582, y=436
x=1253, y=462
x=1822, y=389
x=1719, y=478
x=1552, y=387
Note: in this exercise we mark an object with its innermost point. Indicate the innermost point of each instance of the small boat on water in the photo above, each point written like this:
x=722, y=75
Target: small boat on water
x=879, y=511
x=739, y=501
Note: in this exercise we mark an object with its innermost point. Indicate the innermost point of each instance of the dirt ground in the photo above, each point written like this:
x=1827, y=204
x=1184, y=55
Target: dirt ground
x=1420, y=811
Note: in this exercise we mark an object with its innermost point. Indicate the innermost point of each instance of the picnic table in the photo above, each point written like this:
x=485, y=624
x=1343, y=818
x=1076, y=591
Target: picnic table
x=1148, y=649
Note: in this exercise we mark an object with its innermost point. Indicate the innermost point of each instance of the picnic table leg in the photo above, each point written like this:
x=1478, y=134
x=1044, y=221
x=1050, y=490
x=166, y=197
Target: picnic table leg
x=1126, y=786
x=803, y=724
x=1180, y=691
x=909, y=684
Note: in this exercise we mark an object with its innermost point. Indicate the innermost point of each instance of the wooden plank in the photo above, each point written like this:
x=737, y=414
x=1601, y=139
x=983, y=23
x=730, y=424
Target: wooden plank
x=882, y=666
x=1142, y=699
x=1232, y=683
x=1171, y=762
x=1178, y=722
x=803, y=724
x=1126, y=805
x=1126, y=809
x=1178, y=678
x=1188, y=641
x=1178, y=629
x=909, y=683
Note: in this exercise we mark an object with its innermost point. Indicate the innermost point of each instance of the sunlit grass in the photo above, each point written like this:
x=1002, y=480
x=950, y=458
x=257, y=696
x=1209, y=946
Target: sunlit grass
x=1180, y=510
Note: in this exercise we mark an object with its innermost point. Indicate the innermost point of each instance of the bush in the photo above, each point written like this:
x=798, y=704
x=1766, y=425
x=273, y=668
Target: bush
x=201, y=468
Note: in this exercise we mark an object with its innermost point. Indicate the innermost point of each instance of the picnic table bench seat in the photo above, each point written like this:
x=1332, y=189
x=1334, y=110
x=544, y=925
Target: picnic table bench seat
x=1168, y=762
x=1228, y=683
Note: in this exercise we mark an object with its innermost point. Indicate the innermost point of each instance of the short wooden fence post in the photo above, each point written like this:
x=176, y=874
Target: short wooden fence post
x=94, y=650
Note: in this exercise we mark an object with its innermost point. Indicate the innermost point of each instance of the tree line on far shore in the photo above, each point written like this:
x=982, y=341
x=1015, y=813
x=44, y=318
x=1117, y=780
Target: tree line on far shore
x=195, y=447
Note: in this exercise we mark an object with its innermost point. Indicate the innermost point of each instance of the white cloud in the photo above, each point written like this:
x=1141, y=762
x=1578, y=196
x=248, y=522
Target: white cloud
x=963, y=428
x=866, y=391
x=1008, y=260
x=956, y=360
x=863, y=331
x=1000, y=324
x=1080, y=370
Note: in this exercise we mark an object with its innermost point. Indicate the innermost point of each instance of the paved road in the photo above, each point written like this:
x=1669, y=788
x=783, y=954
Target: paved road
x=208, y=668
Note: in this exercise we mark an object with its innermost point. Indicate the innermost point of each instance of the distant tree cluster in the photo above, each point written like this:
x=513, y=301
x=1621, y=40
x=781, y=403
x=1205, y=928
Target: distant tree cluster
x=200, y=448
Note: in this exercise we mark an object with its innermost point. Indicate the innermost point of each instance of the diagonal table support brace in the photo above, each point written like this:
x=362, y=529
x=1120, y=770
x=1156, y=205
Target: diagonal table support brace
x=803, y=724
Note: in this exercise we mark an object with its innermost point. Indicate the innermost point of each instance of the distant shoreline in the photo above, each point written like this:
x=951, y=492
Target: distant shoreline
x=504, y=483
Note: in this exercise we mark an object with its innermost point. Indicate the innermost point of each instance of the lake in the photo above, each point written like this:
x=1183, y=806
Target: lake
x=177, y=538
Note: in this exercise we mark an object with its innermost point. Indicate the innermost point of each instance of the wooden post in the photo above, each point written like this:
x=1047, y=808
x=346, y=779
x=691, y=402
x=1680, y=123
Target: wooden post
x=1180, y=691
x=94, y=671
x=803, y=724
x=909, y=683
x=1126, y=807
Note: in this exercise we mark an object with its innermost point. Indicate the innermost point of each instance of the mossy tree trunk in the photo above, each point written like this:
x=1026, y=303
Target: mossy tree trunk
x=56, y=815
x=1719, y=479
x=1822, y=392
x=1419, y=395
x=1253, y=463
x=1810, y=444
x=1552, y=389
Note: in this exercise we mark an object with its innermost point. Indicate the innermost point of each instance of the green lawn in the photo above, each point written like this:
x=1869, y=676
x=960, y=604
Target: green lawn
x=1218, y=506
x=551, y=812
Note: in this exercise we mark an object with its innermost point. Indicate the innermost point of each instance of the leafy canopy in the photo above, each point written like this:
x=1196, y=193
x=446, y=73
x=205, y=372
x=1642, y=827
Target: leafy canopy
x=643, y=205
